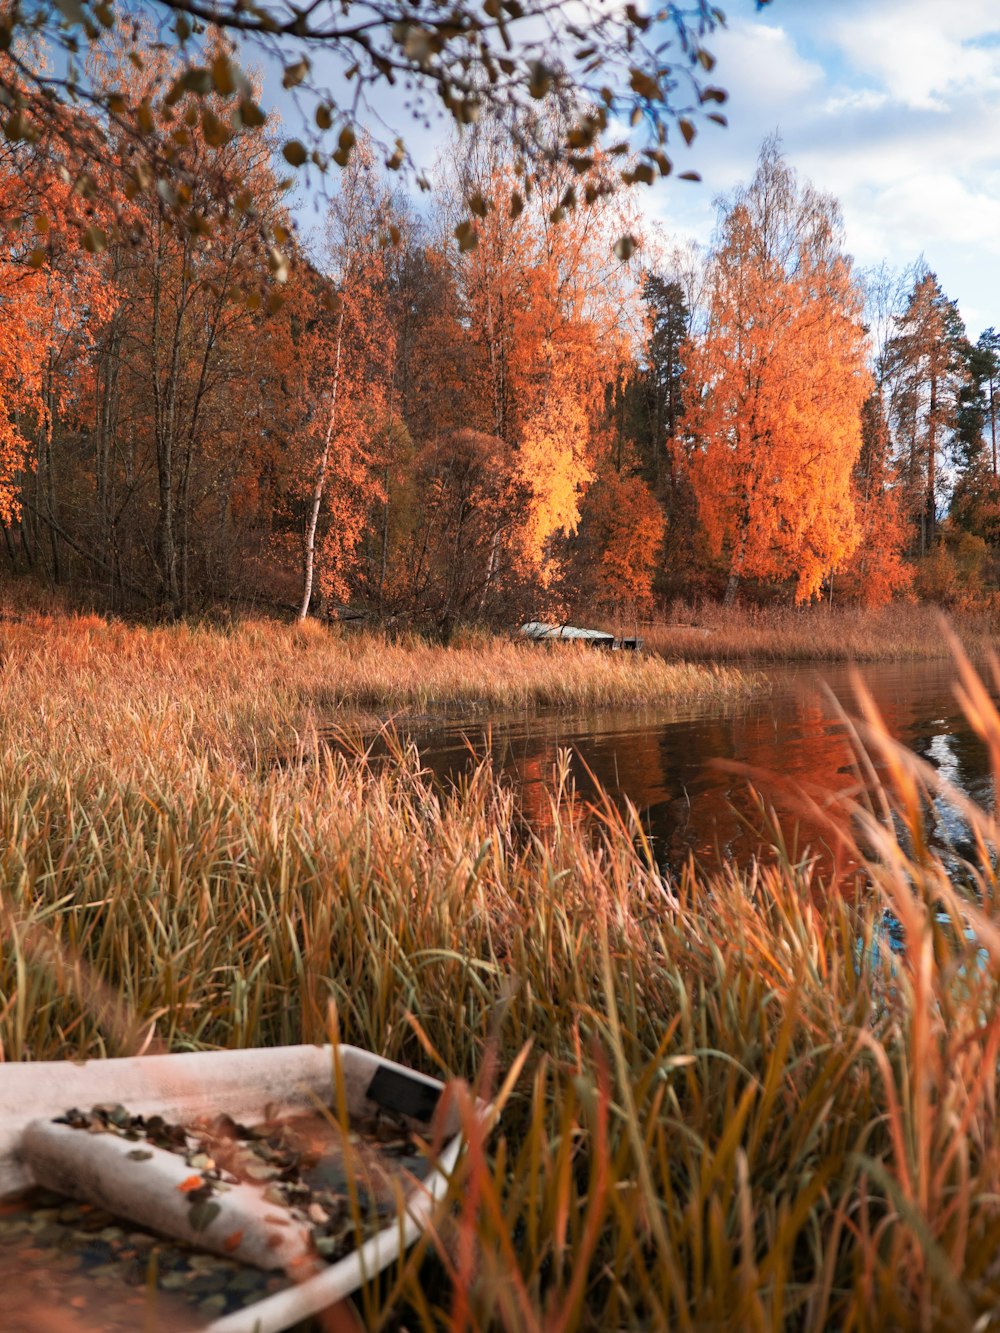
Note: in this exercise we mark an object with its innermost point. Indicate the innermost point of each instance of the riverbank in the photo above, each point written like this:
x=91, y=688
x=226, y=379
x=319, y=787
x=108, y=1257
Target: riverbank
x=730, y=1106
x=901, y=632
x=261, y=687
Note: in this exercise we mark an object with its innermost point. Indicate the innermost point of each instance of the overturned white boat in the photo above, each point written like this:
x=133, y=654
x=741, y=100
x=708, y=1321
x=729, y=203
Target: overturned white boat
x=540, y=632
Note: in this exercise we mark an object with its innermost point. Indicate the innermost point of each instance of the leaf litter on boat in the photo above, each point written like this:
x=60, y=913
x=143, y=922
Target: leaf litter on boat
x=343, y=1185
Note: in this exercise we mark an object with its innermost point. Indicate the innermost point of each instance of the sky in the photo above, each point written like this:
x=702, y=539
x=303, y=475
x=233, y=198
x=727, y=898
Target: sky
x=893, y=106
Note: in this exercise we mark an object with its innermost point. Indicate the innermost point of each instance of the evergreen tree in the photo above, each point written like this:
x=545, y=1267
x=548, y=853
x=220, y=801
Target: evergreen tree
x=927, y=356
x=989, y=348
x=659, y=406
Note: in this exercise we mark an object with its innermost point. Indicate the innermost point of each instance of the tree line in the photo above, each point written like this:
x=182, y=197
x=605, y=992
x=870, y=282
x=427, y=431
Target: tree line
x=511, y=403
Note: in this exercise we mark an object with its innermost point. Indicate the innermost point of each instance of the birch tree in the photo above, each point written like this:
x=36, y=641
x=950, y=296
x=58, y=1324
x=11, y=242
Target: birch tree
x=350, y=358
x=776, y=431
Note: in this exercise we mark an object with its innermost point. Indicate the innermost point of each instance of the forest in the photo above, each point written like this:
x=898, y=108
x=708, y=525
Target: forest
x=700, y=944
x=431, y=416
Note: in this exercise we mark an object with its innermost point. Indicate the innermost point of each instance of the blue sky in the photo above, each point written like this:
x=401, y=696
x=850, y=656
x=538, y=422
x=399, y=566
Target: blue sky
x=893, y=106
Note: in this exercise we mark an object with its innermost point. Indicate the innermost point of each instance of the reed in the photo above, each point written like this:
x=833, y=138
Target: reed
x=900, y=632
x=729, y=1105
x=262, y=683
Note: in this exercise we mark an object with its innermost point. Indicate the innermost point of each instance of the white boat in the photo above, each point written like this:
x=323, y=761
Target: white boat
x=250, y=1086
x=541, y=632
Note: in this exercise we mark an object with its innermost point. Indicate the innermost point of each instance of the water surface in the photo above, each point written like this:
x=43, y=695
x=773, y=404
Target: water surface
x=686, y=769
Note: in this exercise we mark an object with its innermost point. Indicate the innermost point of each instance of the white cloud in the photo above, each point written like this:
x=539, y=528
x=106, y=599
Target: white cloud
x=763, y=67
x=861, y=99
x=890, y=106
x=919, y=51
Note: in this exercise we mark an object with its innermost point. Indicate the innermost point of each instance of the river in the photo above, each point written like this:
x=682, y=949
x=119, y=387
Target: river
x=685, y=769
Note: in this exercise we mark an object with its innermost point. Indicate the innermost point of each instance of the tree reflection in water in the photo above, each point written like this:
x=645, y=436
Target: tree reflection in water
x=702, y=780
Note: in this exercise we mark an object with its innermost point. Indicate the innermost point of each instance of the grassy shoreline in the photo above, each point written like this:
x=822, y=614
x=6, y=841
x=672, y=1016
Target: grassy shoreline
x=900, y=632
x=261, y=685
x=732, y=1107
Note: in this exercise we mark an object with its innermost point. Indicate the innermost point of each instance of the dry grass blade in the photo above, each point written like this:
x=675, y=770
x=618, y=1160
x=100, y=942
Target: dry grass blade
x=727, y=1101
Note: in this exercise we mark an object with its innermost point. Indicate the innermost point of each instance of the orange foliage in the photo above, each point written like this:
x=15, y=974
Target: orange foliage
x=439, y=422
x=52, y=298
x=621, y=531
x=777, y=430
x=549, y=306
x=552, y=462
x=877, y=571
x=22, y=292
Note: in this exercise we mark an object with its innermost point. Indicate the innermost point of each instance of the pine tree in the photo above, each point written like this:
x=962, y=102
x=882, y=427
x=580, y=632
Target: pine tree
x=927, y=357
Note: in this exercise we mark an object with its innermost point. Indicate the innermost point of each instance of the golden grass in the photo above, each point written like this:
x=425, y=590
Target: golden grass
x=257, y=687
x=812, y=634
x=737, y=1109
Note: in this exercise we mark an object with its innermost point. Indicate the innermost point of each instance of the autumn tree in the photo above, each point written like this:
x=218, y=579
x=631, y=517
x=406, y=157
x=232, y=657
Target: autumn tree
x=439, y=373
x=199, y=342
x=349, y=362
x=776, y=430
x=616, y=554
x=24, y=344
x=155, y=357
x=547, y=301
x=877, y=571
x=463, y=554
x=53, y=301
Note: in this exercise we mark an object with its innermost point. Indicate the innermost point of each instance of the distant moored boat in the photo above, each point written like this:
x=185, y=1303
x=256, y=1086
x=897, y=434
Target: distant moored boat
x=540, y=632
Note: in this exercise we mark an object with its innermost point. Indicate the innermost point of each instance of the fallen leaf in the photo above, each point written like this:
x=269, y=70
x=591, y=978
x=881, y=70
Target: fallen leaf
x=190, y=1184
x=202, y=1213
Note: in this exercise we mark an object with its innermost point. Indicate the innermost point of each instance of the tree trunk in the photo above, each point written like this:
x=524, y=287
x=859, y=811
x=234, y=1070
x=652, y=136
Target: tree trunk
x=309, y=562
x=384, y=562
x=931, y=459
x=108, y=371
x=47, y=493
x=739, y=555
x=166, y=397
x=491, y=569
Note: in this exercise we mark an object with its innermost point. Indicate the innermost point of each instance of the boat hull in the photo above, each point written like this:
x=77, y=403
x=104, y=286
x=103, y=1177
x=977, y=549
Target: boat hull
x=249, y=1085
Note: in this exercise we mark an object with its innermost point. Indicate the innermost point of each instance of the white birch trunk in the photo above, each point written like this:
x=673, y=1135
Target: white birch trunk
x=317, y=500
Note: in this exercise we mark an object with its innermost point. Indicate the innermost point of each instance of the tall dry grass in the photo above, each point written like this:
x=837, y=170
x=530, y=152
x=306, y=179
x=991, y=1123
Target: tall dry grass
x=900, y=632
x=262, y=681
x=732, y=1105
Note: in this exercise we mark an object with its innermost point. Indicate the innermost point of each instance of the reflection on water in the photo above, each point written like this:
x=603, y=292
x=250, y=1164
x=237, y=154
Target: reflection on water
x=685, y=771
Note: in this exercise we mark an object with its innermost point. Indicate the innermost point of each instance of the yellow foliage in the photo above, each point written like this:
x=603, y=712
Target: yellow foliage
x=778, y=429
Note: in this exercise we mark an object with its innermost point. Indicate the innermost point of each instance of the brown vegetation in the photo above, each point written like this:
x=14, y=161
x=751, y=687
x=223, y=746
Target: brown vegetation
x=731, y=1103
x=262, y=688
x=812, y=634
